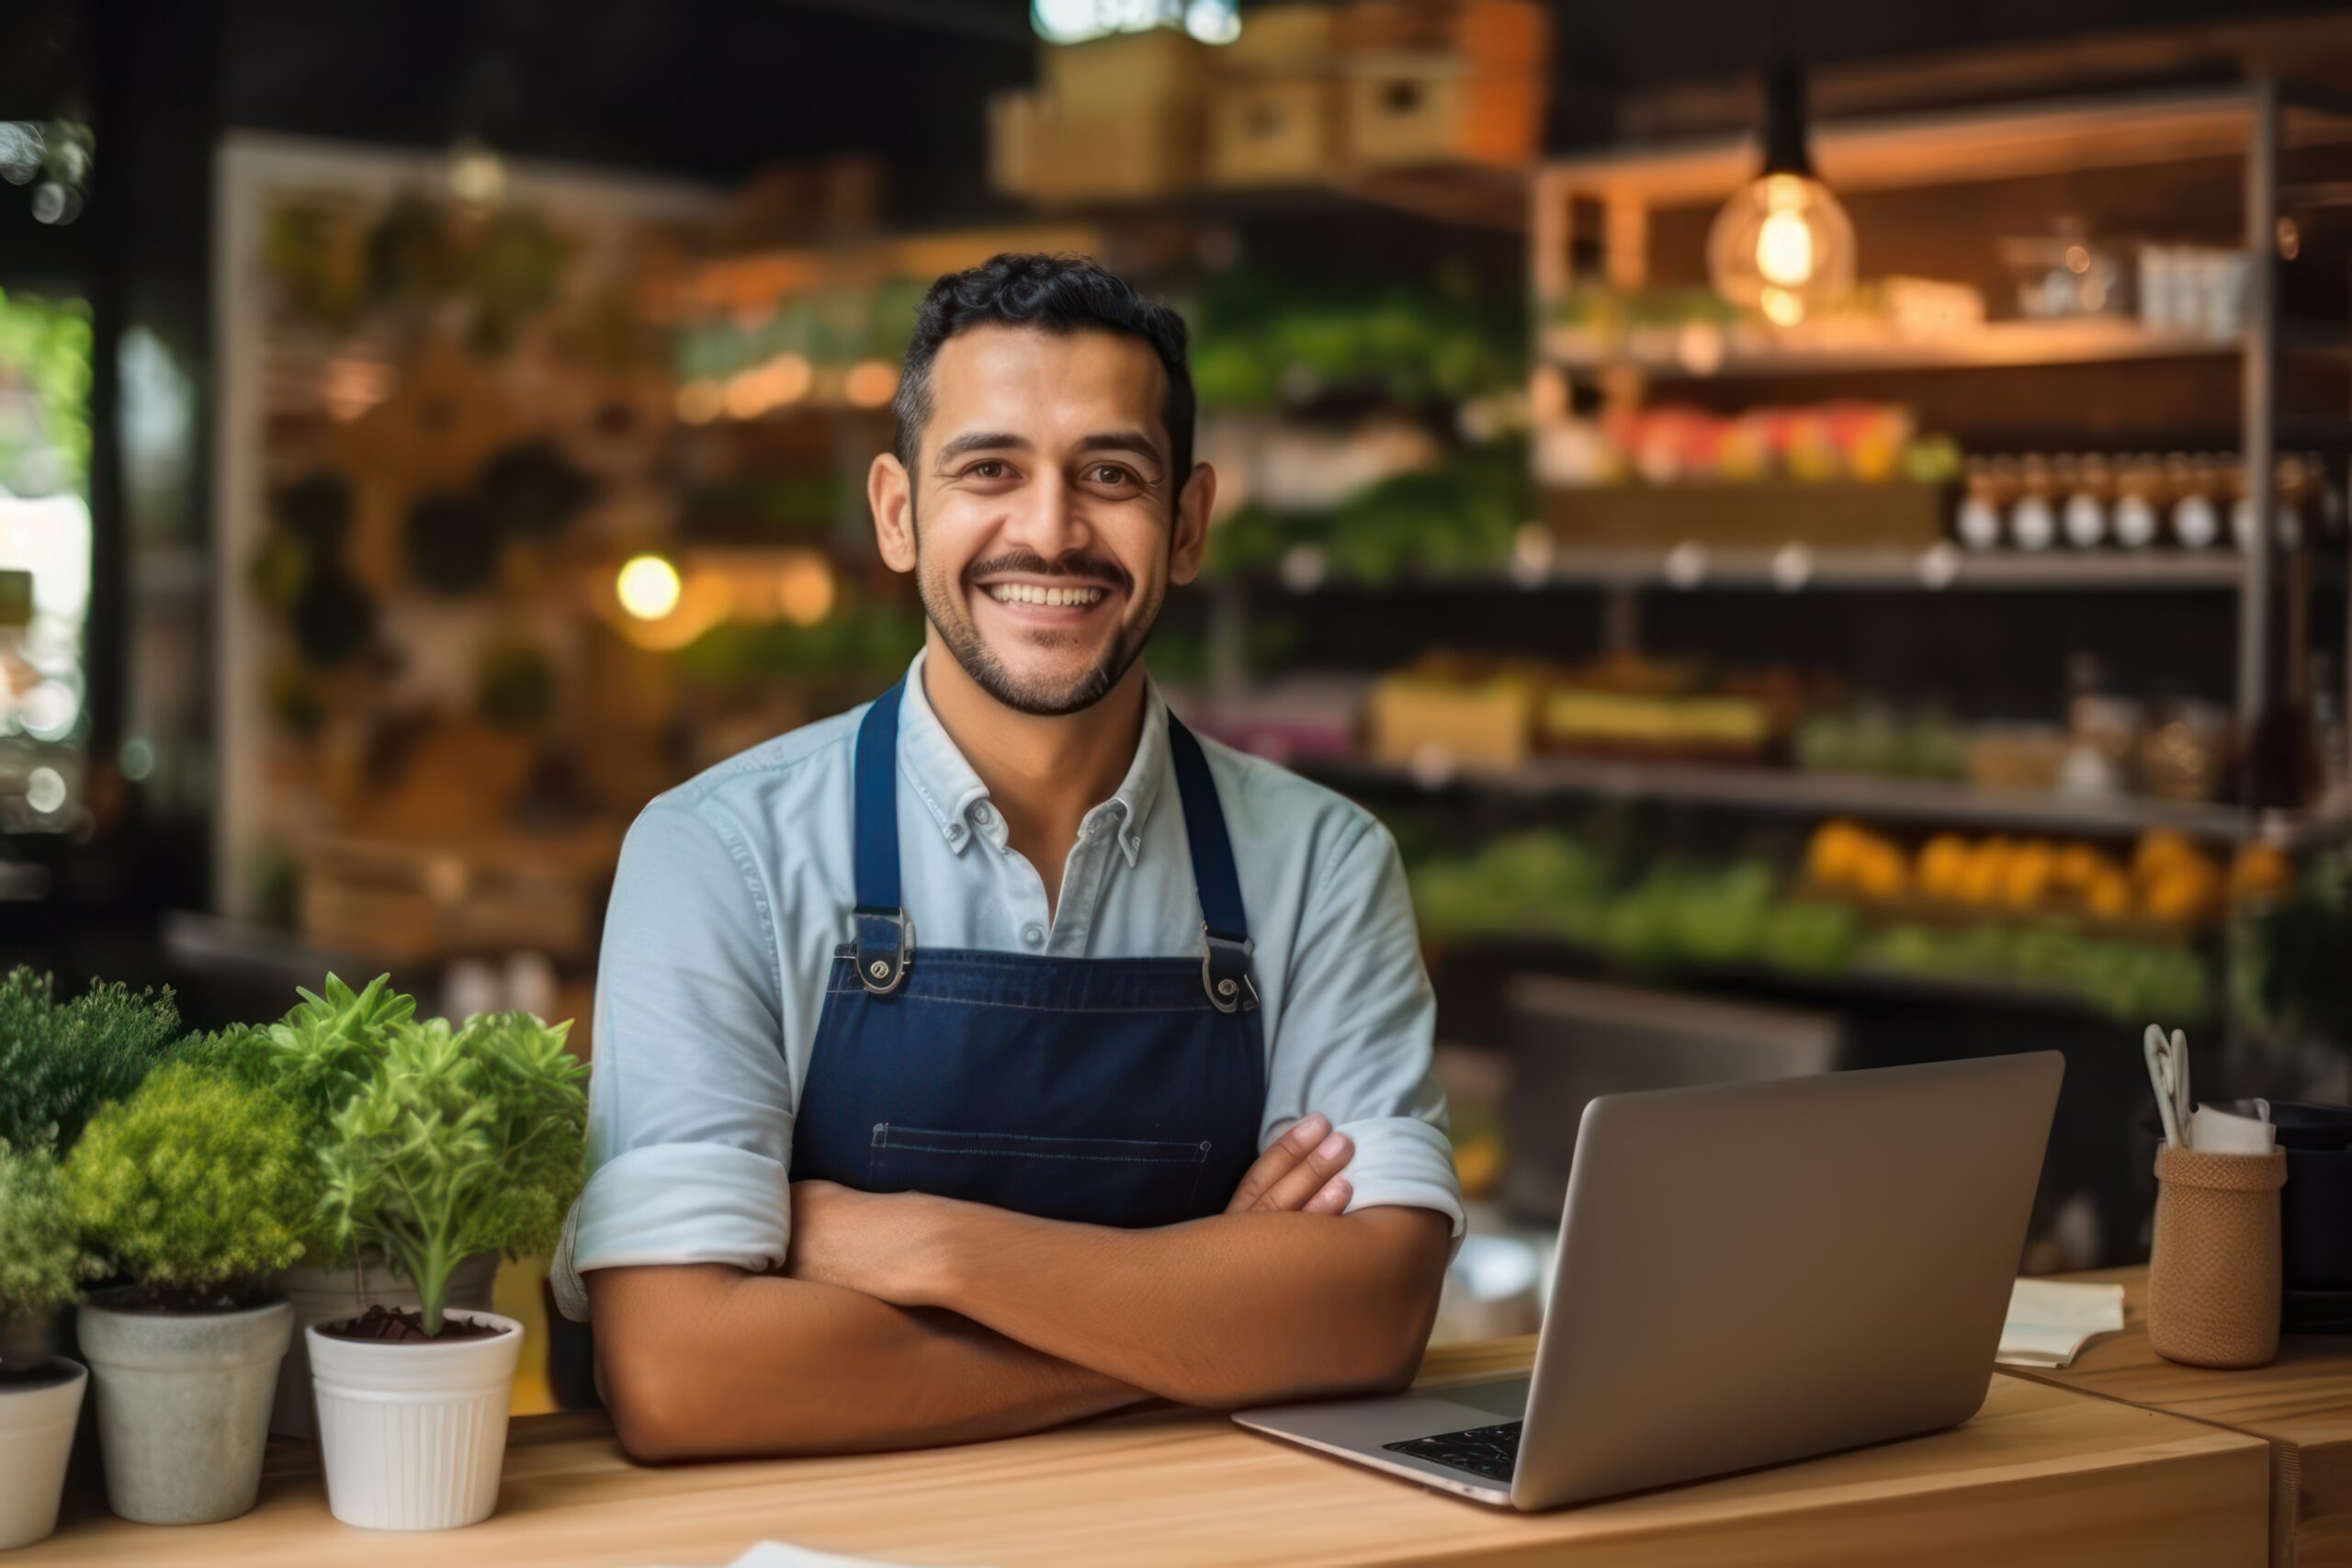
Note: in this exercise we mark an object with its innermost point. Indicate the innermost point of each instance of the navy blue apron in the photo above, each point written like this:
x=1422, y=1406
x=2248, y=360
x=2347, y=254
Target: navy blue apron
x=1122, y=1091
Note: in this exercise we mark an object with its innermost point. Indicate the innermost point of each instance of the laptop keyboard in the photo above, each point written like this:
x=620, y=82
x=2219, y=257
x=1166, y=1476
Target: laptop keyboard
x=1488, y=1451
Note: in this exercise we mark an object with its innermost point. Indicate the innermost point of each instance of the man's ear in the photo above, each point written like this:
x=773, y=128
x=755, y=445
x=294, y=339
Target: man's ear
x=890, y=494
x=1193, y=504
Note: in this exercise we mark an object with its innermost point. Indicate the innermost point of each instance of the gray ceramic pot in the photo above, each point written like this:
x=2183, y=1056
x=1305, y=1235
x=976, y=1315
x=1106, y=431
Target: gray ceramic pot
x=330, y=1295
x=183, y=1401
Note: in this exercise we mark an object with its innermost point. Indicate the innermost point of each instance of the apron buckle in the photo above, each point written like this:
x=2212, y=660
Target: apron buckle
x=885, y=939
x=1227, y=982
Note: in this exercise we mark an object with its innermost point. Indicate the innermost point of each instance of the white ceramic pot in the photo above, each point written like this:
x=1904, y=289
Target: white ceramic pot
x=38, y=1411
x=183, y=1402
x=330, y=1295
x=414, y=1435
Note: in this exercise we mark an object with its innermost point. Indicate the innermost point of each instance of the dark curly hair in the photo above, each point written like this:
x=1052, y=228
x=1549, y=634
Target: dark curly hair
x=1057, y=294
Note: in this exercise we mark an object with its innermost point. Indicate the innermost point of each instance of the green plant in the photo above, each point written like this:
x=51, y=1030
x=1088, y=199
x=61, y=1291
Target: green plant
x=196, y=1186
x=60, y=1061
x=464, y=1140
x=42, y=1261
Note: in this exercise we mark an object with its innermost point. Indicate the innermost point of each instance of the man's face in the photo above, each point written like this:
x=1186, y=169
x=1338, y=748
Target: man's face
x=1042, y=518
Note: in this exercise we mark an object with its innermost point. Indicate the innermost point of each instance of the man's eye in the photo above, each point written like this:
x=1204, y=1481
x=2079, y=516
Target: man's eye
x=986, y=469
x=1113, y=474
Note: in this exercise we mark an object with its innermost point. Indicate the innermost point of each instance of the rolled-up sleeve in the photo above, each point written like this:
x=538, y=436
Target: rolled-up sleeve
x=690, y=1102
x=1356, y=1031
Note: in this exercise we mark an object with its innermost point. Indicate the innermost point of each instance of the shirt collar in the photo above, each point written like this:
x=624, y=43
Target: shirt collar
x=951, y=791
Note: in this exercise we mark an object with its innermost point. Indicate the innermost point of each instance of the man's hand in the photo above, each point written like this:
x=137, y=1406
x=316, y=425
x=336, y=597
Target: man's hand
x=1299, y=1171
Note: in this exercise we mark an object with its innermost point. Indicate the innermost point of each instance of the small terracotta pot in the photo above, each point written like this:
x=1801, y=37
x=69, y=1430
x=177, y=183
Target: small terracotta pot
x=2213, y=1279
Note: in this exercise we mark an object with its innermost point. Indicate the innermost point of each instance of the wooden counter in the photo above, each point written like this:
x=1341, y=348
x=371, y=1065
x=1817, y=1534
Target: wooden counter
x=2301, y=1404
x=2041, y=1475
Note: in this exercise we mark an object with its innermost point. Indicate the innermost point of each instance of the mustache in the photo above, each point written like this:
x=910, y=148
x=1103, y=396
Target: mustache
x=1092, y=569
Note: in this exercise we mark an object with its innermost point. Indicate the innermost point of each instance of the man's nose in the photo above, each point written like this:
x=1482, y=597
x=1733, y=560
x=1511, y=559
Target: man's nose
x=1050, y=518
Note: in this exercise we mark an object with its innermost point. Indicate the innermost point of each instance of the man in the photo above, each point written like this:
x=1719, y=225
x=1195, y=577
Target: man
x=1096, y=1058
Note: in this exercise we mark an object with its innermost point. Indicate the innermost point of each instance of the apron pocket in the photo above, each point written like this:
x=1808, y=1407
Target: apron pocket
x=1130, y=1183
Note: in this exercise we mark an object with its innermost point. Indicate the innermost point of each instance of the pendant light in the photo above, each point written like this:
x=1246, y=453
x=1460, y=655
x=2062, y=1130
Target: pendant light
x=1782, y=244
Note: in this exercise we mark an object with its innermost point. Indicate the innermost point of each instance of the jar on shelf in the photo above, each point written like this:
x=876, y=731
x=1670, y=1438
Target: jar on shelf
x=1978, y=523
x=2033, y=517
x=2086, y=519
x=2186, y=756
x=2141, y=497
x=2197, y=482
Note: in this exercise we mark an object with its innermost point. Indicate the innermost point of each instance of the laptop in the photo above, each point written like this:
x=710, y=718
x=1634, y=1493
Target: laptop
x=1748, y=1273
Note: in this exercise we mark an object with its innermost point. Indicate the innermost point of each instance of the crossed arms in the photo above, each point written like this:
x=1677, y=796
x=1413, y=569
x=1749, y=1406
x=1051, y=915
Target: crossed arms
x=901, y=1320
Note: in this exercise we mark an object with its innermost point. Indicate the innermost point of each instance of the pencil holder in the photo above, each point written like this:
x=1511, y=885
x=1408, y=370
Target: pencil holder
x=2213, y=1278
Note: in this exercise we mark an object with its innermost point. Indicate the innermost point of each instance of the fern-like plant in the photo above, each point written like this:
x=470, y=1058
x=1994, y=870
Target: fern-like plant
x=60, y=1061
x=465, y=1141
x=196, y=1187
x=42, y=1261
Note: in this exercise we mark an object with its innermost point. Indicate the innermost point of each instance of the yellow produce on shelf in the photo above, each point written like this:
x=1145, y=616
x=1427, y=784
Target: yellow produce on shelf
x=2027, y=875
x=1942, y=867
x=2108, y=894
x=2261, y=871
x=1986, y=873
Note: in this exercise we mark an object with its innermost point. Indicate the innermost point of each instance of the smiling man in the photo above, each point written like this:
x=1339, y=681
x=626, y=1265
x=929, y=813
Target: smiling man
x=998, y=1053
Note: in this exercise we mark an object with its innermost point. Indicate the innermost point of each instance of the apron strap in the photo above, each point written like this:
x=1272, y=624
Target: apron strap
x=884, y=937
x=1225, y=928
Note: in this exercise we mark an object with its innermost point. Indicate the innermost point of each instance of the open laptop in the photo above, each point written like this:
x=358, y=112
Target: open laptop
x=1748, y=1273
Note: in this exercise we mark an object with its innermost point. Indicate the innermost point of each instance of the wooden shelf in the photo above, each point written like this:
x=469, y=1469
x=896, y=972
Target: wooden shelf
x=1702, y=351
x=1692, y=568
x=1927, y=801
x=1955, y=148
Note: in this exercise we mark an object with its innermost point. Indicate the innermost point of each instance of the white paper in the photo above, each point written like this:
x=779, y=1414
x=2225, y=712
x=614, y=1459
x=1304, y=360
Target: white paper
x=2216, y=1132
x=2051, y=1320
x=778, y=1554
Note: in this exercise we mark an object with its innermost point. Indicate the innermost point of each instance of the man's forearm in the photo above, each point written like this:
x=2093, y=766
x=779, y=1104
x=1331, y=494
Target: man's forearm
x=1230, y=1310
x=705, y=1362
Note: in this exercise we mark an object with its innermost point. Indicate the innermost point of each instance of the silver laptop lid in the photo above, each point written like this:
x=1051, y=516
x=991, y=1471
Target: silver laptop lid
x=1749, y=1273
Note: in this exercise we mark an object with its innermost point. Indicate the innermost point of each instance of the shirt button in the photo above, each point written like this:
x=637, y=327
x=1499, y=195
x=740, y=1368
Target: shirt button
x=1034, y=935
x=984, y=814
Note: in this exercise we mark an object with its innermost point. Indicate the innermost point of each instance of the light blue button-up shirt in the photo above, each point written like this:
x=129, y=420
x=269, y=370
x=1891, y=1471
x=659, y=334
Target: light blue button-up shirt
x=735, y=888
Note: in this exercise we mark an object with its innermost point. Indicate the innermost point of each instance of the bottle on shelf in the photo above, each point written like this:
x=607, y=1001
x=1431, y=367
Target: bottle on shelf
x=2196, y=514
x=1978, y=523
x=2085, y=519
x=2033, y=519
x=2140, y=497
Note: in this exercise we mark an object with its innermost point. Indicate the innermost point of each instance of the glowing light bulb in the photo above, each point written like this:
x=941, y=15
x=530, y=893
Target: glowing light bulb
x=1782, y=245
x=647, y=587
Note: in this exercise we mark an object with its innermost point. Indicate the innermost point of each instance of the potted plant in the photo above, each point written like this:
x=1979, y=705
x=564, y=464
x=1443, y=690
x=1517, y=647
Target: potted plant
x=41, y=1395
x=194, y=1191
x=317, y=1058
x=464, y=1140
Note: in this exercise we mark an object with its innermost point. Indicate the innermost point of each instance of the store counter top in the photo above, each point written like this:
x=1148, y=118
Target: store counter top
x=2041, y=1475
x=2301, y=1404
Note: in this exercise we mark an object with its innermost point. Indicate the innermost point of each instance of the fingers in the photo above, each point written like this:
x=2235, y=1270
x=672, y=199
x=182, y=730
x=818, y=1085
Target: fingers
x=1307, y=1178
x=1279, y=1160
x=1332, y=1199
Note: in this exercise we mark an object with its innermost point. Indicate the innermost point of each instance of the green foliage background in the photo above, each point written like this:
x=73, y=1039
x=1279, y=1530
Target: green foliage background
x=42, y=1261
x=60, y=1061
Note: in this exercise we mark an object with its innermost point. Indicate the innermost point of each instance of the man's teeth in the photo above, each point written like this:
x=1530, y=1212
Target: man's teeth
x=1030, y=593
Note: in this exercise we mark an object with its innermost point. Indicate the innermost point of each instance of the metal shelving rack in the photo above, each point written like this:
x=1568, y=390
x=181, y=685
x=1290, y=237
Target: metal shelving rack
x=2255, y=121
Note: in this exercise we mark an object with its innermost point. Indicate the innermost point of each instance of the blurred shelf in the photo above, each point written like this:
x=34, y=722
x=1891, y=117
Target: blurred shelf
x=1705, y=352
x=1924, y=801
x=1934, y=569
x=1795, y=567
x=1858, y=982
x=1971, y=146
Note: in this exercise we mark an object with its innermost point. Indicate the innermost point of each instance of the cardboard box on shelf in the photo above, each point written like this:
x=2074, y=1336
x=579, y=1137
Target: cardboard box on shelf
x=1403, y=112
x=1414, y=720
x=1126, y=72
x=1500, y=36
x=1274, y=133
x=1285, y=38
x=1043, y=149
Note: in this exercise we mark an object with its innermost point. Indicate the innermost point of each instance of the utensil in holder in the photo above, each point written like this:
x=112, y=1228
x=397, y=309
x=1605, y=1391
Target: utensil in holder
x=2213, y=1280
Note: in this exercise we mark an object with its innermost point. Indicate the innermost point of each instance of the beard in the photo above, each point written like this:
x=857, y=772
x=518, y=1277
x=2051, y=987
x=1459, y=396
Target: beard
x=945, y=604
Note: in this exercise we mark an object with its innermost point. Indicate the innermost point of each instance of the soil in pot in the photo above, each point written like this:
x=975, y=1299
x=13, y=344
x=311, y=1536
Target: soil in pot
x=405, y=1326
x=328, y=1294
